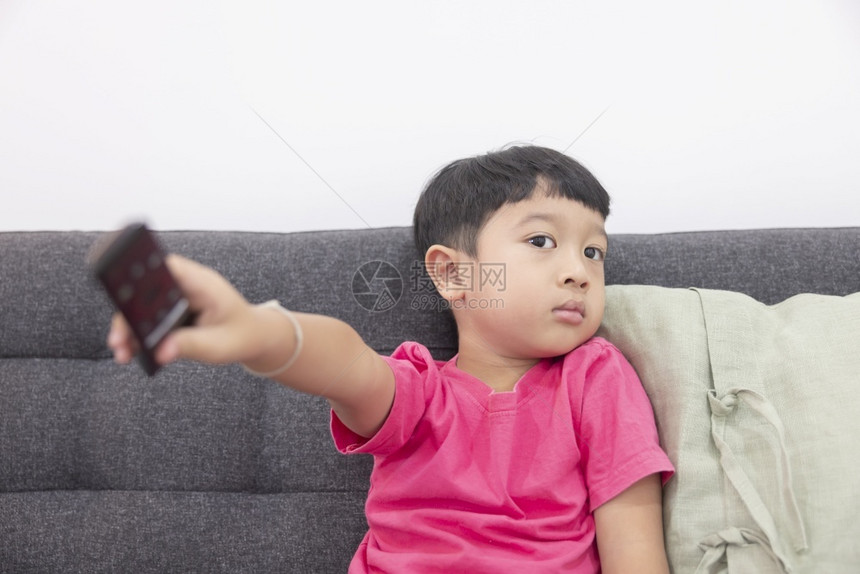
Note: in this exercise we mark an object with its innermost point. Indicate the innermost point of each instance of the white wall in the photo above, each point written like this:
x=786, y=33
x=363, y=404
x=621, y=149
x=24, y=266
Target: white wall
x=709, y=115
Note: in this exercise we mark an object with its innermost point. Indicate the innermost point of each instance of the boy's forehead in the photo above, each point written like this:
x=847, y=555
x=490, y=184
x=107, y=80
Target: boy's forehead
x=552, y=210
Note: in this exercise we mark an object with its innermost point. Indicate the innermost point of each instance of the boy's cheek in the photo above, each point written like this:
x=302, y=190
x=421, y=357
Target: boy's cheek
x=596, y=313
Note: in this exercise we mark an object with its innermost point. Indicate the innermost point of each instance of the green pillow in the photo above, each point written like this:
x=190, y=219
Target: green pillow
x=759, y=409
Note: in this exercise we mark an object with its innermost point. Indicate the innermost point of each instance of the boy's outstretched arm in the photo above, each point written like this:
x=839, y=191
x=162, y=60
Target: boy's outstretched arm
x=334, y=361
x=629, y=530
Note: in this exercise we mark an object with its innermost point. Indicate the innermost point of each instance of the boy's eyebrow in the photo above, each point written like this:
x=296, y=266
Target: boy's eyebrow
x=538, y=216
x=553, y=218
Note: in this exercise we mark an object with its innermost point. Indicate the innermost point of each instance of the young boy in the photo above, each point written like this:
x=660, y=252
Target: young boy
x=534, y=449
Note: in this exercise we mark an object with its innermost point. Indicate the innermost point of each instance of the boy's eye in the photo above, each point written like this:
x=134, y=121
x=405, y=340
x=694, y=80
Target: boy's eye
x=542, y=241
x=595, y=253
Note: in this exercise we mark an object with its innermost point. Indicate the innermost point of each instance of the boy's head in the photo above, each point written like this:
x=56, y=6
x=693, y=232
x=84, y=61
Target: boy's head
x=462, y=196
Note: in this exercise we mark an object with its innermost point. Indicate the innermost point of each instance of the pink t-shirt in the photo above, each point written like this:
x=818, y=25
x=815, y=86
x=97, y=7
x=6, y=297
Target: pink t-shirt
x=469, y=480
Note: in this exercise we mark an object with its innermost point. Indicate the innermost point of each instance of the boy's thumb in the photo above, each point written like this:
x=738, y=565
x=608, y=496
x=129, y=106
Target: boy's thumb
x=195, y=343
x=168, y=351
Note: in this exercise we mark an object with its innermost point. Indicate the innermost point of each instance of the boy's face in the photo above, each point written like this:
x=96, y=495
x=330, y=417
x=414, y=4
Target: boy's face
x=539, y=286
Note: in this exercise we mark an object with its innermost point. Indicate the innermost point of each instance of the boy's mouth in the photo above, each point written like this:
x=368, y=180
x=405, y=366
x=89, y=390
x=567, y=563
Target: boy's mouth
x=572, y=312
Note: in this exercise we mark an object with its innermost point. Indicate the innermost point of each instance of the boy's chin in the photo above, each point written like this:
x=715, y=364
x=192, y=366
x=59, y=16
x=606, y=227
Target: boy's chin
x=555, y=351
x=562, y=348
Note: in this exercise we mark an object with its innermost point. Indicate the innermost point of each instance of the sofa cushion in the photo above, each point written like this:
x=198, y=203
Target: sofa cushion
x=152, y=532
x=757, y=407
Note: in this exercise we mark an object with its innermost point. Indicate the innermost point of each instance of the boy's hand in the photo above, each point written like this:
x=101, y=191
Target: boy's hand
x=224, y=329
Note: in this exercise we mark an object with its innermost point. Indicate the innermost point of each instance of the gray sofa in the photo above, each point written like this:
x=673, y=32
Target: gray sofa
x=208, y=469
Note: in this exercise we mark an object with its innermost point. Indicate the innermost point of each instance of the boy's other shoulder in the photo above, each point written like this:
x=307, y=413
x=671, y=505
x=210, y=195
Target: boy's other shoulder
x=595, y=355
x=595, y=346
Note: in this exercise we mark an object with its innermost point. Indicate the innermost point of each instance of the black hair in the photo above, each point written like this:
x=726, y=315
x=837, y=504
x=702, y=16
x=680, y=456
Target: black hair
x=460, y=198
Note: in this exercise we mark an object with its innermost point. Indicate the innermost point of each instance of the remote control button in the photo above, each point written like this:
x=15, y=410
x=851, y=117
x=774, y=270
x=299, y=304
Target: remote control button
x=137, y=271
x=125, y=293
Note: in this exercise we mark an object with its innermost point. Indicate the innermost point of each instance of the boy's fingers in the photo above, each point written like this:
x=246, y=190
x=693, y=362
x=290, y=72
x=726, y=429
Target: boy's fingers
x=120, y=340
x=199, y=283
x=115, y=336
x=184, y=270
x=210, y=295
x=118, y=328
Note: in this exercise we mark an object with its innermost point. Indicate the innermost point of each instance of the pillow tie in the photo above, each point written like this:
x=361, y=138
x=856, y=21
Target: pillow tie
x=717, y=547
x=721, y=407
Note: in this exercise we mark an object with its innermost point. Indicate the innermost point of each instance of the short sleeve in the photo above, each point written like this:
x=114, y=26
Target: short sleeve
x=617, y=433
x=414, y=370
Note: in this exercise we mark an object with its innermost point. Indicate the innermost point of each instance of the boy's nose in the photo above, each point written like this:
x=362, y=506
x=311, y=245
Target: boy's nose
x=574, y=273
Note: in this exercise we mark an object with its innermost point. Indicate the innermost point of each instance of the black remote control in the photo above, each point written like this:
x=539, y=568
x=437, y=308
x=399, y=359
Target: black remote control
x=130, y=265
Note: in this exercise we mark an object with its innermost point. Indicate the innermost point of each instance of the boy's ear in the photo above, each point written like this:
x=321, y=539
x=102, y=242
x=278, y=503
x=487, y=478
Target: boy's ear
x=447, y=270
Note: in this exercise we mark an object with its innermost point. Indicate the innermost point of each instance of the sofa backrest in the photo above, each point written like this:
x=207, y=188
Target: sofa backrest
x=52, y=308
